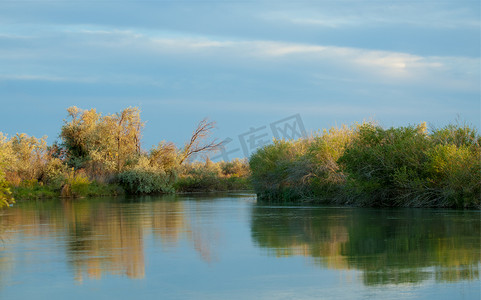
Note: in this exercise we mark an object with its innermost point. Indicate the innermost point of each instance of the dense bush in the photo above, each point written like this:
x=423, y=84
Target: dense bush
x=78, y=183
x=144, y=176
x=279, y=171
x=55, y=173
x=210, y=176
x=377, y=158
x=144, y=182
x=368, y=165
x=235, y=168
x=302, y=170
x=326, y=178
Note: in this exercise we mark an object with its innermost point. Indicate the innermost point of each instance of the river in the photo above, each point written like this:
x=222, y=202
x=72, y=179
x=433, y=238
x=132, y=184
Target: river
x=228, y=246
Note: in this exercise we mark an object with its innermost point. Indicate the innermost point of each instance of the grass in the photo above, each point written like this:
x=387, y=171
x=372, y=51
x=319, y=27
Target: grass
x=37, y=190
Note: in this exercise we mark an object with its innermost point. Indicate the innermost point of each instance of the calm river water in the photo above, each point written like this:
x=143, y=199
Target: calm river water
x=227, y=246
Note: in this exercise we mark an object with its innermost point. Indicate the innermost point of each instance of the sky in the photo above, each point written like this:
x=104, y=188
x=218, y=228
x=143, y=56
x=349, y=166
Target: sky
x=243, y=64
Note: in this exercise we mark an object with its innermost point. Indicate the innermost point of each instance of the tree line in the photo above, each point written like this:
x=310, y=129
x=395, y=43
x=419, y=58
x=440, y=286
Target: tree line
x=102, y=155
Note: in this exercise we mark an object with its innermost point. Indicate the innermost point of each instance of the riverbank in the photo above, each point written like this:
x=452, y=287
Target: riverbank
x=192, y=178
x=367, y=165
x=361, y=165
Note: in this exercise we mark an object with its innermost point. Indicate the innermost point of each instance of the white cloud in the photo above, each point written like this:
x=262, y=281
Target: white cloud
x=364, y=64
x=422, y=14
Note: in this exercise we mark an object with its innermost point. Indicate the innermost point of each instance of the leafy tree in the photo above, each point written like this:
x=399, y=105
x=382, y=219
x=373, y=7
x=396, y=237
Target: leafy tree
x=101, y=143
x=6, y=158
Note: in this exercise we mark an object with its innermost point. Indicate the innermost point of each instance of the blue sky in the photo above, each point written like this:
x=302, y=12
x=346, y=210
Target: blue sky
x=243, y=64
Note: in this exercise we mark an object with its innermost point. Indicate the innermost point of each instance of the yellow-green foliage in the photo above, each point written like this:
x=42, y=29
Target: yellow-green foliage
x=78, y=182
x=6, y=158
x=97, y=152
x=164, y=156
x=369, y=165
x=235, y=168
x=33, y=189
x=456, y=172
x=101, y=144
x=324, y=151
x=55, y=173
x=281, y=170
x=377, y=156
x=199, y=176
x=302, y=169
x=144, y=175
x=5, y=194
x=23, y=157
x=210, y=176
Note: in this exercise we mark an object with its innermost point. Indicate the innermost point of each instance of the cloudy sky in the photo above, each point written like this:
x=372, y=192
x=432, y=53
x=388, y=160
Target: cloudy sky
x=244, y=64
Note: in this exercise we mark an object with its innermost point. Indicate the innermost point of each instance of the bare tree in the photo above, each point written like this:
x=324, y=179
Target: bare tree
x=199, y=142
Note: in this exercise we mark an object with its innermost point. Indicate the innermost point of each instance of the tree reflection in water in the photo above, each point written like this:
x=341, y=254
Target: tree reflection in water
x=108, y=236
x=388, y=246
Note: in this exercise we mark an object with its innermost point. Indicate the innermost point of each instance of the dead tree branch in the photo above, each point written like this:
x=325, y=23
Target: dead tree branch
x=199, y=142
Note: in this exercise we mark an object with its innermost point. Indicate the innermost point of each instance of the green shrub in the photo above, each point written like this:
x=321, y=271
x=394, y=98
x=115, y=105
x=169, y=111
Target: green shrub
x=79, y=184
x=235, y=168
x=304, y=169
x=455, y=173
x=197, y=177
x=451, y=171
x=210, y=176
x=137, y=181
x=458, y=135
x=326, y=179
x=280, y=171
x=377, y=156
x=55, y=173
x=368, y=165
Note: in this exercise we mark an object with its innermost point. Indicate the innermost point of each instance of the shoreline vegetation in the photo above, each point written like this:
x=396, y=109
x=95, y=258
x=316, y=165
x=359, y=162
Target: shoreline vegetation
x=367, y=165
x=360, y=165
x=100, y=155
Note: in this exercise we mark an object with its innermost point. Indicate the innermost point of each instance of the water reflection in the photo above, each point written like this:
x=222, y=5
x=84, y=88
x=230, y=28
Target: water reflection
x=101, y=236
x=388, y=246
x=113, y=236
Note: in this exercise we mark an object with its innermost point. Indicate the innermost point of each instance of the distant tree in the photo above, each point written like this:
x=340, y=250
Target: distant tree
x=6, y=158
x=128, y=134
x=101, y=143
x=30, y=156
x=78, y=135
